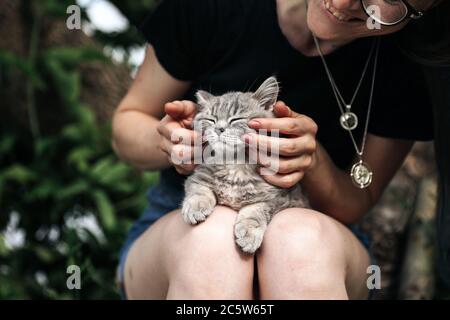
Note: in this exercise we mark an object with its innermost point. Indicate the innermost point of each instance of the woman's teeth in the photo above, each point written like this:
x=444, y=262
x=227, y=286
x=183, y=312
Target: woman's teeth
x=339, y=15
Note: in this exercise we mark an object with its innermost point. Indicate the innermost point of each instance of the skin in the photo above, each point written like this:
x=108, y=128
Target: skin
x=305, y=254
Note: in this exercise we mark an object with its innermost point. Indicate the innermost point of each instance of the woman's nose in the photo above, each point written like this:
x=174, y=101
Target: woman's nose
x=345, y=4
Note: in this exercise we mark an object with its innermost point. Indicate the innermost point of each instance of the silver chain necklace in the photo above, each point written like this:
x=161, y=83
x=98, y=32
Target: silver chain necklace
x=348, y=119
x=360, y=173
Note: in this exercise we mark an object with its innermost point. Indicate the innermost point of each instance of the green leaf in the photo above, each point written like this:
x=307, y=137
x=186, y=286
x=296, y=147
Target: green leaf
x=7, y=143
x=2, y=187
x=20, y=174
x=84, y=115
x=115, y=174
x=73, y=132
x=4, y=251
x=71, y=57
x=74, y=189
x=124, y=187
x=44, y=190
x=44, y=145
x=66, y=82
x=44, y=254
x=8, y=59
x=80, y=157
x=105, y=209
x=150, y=178
x=102, y=167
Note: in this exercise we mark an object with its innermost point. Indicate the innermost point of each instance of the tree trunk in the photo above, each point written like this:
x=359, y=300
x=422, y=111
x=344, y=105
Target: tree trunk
x=418, y=272
x=103, y=84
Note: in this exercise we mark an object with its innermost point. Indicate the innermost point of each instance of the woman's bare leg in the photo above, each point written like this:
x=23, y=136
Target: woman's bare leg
x=308, y=255
x=174, y=260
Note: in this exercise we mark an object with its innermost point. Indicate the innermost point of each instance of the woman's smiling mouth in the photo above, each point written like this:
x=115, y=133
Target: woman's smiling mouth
x=338, y=14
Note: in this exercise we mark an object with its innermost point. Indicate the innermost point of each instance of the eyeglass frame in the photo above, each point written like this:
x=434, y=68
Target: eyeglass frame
x=411, y=13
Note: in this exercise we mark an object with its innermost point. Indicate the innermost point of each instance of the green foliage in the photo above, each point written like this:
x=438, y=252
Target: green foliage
x=8, y=61
x=135, y=11
x=53, y=182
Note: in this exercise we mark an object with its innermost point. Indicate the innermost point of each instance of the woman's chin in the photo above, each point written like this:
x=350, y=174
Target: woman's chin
x=322, y=30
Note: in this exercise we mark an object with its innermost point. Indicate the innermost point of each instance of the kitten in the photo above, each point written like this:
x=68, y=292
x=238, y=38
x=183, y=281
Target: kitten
x=222, y=121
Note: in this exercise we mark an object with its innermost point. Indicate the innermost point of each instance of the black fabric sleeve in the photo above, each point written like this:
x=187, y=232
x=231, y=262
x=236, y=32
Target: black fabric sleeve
x=403, y=109
x=179, y=30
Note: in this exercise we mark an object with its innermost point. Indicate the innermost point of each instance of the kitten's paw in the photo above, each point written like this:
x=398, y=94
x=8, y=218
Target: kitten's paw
x=196, y=209
x=249, y=234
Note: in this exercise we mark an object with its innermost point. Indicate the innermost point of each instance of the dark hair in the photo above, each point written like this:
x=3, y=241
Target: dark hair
x=427, y=41
x=439, y=87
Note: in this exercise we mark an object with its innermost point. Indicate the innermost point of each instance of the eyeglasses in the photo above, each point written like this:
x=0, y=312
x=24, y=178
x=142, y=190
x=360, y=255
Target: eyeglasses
x=390, y=12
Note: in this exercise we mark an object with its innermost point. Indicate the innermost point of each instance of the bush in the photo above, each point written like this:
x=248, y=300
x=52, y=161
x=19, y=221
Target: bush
x=65, y=192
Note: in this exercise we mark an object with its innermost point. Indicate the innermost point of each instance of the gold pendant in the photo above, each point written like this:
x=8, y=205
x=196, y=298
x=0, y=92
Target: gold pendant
x=361, y=174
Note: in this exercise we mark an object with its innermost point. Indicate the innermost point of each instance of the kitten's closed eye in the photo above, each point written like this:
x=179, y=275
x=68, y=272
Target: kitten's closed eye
x=237, y=119
x=207, y=119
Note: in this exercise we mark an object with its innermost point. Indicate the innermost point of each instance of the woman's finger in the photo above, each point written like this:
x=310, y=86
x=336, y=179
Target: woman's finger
x=180, y=110
x=288, y=147
x=171, y=130
x=182, y=154
x=285, y=165
x=186, y=137
x=284, y=181
x=292, y=126
x=185, y=170
x=281, y=110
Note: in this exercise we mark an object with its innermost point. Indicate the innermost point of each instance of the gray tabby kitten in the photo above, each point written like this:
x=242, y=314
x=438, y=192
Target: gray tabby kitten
x=222, y=122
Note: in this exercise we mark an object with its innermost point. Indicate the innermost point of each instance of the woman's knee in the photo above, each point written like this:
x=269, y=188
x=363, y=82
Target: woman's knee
x=306, y=236
x=214, y=233
x=302, y=253
x=208, y=243
x=206, y=262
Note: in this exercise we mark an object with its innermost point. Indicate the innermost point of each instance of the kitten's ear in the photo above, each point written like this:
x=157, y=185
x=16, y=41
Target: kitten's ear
x=267, y=93
x=203, y=97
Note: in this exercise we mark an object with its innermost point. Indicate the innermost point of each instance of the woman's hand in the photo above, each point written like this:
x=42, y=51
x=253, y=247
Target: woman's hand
x=177, y=139
x=297, y=149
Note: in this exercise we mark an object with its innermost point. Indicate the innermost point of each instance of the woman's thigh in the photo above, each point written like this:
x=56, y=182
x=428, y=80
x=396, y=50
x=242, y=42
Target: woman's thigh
x=172, y=254
x=305, y=252
x=144, y=273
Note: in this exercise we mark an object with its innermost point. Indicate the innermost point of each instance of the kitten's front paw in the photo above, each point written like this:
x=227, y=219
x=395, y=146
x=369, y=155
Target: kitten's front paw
x=249, y=234
x=196, y=209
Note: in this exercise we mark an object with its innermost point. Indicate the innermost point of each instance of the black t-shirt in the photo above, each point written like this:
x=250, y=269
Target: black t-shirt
x=234, y=45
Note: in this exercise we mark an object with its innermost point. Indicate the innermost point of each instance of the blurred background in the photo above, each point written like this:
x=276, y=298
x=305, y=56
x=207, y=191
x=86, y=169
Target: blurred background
x=65, y=198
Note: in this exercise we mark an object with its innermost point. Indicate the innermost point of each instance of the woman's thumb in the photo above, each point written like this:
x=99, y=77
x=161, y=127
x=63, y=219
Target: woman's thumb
x=180, y=109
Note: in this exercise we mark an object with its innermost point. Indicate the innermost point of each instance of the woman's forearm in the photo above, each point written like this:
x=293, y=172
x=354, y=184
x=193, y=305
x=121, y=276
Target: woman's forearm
x=330, y=190
x=136, y=140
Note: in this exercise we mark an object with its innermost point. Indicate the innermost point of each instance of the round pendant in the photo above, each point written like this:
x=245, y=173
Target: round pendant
x=349, y=121
x=361, y=175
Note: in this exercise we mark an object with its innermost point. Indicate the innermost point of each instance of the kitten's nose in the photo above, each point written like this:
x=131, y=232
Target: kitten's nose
x=220, y=130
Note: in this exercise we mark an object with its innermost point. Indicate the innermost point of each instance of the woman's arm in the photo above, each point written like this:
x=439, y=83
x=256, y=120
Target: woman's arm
x=135, y=135
x=330, y=190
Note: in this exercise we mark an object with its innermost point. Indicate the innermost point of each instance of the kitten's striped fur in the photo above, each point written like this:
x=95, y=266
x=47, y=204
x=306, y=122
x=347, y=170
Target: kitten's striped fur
x=237, y=186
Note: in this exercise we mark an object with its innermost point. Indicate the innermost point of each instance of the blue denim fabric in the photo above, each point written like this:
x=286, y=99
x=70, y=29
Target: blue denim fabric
x=164, y=198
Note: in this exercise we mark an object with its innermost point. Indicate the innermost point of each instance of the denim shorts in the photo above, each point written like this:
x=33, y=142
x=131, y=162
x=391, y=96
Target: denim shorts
x=164, y=198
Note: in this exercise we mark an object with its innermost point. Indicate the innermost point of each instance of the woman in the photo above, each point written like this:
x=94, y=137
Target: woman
x=234, y=45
